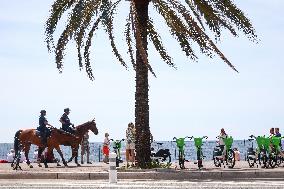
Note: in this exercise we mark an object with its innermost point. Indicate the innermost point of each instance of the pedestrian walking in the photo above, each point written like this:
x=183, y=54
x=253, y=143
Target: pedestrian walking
x=106, y=148
x=85, y=149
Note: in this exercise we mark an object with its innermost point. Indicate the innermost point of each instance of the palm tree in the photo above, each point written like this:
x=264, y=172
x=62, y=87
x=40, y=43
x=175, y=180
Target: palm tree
x=187, y=22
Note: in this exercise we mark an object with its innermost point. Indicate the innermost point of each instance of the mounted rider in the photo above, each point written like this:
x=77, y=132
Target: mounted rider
x=67, y=126
x=44, y=132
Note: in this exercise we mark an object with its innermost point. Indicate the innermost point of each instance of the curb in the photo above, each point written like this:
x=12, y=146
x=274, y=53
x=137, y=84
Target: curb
x=172, y=175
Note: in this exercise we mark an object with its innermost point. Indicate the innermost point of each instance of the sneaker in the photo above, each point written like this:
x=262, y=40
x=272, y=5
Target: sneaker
x=89, y=162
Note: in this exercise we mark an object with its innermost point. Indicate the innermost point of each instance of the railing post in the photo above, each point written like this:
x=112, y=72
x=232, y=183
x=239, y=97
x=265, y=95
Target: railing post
x=112, y=168
x=100, y=153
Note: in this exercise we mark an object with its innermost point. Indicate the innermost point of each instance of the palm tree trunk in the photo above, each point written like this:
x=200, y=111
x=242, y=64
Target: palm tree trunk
x=142, y=87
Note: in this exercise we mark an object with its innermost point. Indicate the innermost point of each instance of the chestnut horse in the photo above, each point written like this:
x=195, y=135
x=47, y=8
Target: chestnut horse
x=80, y=131
x=24, y=139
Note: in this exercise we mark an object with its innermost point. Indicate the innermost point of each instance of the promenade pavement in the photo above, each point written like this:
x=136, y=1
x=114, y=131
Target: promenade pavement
x=138, y=184
x=99, y=171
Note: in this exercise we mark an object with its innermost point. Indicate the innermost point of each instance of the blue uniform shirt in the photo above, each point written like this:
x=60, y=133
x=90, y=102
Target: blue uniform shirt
x=42, y=121
x=66, y=121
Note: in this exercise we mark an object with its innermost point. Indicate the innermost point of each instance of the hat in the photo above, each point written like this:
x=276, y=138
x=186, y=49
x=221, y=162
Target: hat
x=42, y=111
x=66, y=110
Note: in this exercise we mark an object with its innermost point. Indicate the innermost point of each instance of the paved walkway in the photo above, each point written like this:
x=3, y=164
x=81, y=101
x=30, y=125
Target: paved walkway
x=99, y=170
x=139, y=184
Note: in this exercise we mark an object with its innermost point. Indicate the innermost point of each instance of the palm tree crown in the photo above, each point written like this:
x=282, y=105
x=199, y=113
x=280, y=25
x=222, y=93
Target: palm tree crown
x=185, y=21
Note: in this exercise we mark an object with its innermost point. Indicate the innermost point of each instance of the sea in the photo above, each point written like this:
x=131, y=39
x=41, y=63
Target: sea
x=96, y=149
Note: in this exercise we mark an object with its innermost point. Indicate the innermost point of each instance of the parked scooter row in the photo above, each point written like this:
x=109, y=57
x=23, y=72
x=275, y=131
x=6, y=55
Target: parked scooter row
x=268, y=152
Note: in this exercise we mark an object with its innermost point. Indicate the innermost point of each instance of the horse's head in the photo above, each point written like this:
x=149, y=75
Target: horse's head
x=93, y=127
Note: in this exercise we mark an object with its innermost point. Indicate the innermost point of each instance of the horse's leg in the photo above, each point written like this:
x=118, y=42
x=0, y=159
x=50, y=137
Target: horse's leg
x=27, y=149
x=40, y=150
x=75, y=154
x=18, y=161
x=50, y=151
x=45, y=159
x=61, y=155
x=72, y=156
x=17, y=158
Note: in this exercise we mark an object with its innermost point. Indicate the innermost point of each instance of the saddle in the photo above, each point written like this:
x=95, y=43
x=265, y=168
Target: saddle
x=48, y=132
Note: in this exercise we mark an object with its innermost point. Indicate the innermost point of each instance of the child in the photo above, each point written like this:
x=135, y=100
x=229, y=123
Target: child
x=237, y=154
x=106, y=148
x=10, y=156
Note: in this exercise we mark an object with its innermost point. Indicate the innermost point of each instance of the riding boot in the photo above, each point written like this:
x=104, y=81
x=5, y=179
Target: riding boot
x=45, y=163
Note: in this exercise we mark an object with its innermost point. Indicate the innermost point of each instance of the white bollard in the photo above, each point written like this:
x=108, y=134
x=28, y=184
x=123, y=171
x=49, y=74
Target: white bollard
x=112, y=168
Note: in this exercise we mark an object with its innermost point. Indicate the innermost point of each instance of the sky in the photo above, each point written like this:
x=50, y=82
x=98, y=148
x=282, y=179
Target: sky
x=197, y=99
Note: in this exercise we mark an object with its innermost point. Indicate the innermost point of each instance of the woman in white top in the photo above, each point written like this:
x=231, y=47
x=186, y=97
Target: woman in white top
x=222, y=135
x=130, y=144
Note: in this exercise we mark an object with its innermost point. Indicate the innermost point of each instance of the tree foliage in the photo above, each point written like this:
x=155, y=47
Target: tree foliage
x=187, y=22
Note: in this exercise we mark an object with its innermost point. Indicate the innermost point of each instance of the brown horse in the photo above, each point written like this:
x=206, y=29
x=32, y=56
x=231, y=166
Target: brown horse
x=24, y=139
x=80, y=131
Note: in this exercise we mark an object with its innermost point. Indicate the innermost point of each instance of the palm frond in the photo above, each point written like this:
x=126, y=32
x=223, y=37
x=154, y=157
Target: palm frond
x=190, y=30
x=60, y=47
x=107, y=9
x=156, y=39
x=87, y=48
x=58, y=8
x=177, y=27
x=74, y=22
x=195, y=13
x=89, y=11
x=223, y=14
x=129, y=40
x=236, y=16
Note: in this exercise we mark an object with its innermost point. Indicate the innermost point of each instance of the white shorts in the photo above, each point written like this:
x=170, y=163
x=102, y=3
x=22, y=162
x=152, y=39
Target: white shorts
x=130, y=146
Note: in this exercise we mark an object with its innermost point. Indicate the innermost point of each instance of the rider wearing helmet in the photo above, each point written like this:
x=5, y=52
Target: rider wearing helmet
x=66, y=124
x=43, y=130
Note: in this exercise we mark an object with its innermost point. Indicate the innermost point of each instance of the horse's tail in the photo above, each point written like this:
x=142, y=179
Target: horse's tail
x=17, y=141
x=17, y=146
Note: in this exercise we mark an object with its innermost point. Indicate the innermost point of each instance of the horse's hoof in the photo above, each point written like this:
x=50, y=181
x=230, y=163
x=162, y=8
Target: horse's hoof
x=12, y=165
x=78, y=165
x=58, y=165
x=39, y=165
x=65, y=165
x=31, y=166
x=46, y=166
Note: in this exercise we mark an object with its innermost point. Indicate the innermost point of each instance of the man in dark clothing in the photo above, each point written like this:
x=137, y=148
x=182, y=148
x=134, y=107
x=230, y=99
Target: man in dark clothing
x=66, y=124
x=278, y=134
x=43, y=130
